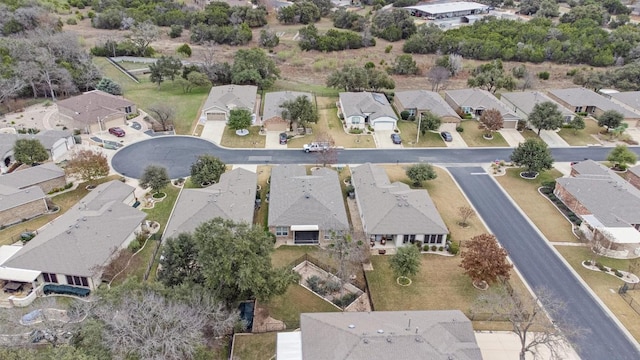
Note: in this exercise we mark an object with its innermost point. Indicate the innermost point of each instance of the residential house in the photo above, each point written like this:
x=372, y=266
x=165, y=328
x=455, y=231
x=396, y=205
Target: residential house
x=305, y=208
x=272, y=112
x=73, y=249
x=96, y=111
x=417, y=102
x=629, y=100
x=362, y=109
x=393, y=212
x=476, y=101
x=584, y=100
x=633, y=175
x=608, y=206
x=232, y=198
x=523, y=102
x=17, y=205
x=56, y=142
x=378, y=335
x=223, y=99
x=46, y=176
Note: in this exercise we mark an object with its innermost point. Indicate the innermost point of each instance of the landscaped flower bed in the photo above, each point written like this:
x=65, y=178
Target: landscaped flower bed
x=623, y=275
x=326, y=285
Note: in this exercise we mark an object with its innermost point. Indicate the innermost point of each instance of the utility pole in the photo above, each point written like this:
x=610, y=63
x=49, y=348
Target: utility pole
x=418, y=134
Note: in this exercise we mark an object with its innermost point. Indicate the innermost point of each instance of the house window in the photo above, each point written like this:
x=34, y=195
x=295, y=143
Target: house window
x=77, y=280
x=440, y=238
x=282, y=231
x=466, y=109
x=578, y=109
x=412, y=112
x=408, y=238
x=355, y=120
x=50, y=278
x=127, y=109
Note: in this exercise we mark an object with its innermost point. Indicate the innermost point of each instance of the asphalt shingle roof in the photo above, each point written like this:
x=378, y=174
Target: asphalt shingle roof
x=480, y=99
x=526, y=100
x=361, y=103
x=94, y=105
x=585, y=97
x=11, y=197
x=30, y=176
x=273, y=100
x=425, y=100
x=228, y=97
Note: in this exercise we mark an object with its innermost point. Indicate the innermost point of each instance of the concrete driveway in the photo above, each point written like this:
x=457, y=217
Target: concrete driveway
x=273, y=140
x=213, y=131
x=457, y=140
x=512, y=136
x=383, y=139
x=553, y=139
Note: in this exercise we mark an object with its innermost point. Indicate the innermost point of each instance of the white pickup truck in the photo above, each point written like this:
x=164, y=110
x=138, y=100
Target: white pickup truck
x=316, y=146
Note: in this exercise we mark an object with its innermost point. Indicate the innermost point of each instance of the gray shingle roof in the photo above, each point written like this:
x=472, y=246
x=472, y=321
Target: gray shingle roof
x=85, y=236
x=393, y=208
x=47, y=138
x=300, y=199
x=480, y=99
x=228, y=97
x=526, y=100
x=34, y=175
x=405, y=335
x=273, y=100
x=425, y=100
x=635, y=170
x=11, y=197
x=95, y=104
x=361, y=103
x=585, y=97
x=231, y=198
x=629, y=98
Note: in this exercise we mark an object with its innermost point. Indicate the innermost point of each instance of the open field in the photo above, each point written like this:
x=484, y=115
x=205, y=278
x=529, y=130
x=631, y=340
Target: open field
x=604, y=285
x=254, y=346
x=539, y=209
x=581, y=137
x=409, y=132
x=473, y=136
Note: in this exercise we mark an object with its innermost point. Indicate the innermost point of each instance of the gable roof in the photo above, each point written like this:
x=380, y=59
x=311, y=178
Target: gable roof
x=628, y=98
x=228, y=97
x=47, y=138
x=613, y=201
x=231, y=198
x=11, y=197
x=21, y=179
x=585, y=97
x=95, y=104
x=273, y=100
x=526, y=100
x=361, y=103
x=425, y=100
x=85, y=236
x=635, y=170
x=480, y=99
x=406, y=335
x=300, y=199
x=394, y=208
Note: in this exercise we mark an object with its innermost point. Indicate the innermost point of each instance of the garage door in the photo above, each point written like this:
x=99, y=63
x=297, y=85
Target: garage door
x=59, y=149
x=216, y=116
x=306, y=237
x=383, y=125
x=510, y=124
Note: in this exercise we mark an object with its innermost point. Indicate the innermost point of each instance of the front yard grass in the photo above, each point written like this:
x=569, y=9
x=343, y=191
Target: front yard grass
x=473, y=136
x=581, y=137
x=409, y=131
x=162, y=210
x=253, y=140
x=254, y=346
x=604, y=285
x=539, y=209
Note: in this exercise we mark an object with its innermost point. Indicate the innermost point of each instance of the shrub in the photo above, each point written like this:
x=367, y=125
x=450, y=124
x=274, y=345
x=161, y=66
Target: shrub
x=344, y=300
x=601, y=267
x=454, y=248
x=572, y=72
x=388, y=49
x=434, y=248
x=404, y=115
x=72, y=21
x=440, y=248
x=134, y=245
x=332, y=286
x=459, y=129
x=176, y=31
x=618, y=274
x=355, y=131
x=587, y=262
x=549, y=184
x=544, y=75
x=425, y=248
x=349, y=189
x=314, y=283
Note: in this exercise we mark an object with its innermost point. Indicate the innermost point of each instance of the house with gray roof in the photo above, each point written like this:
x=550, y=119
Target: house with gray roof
x=633, y=175
x=223, y=99
x=476, y=101
x=18, y=205
x=272, y=112
x=232, y=198
x=72, y=249
x=360, y=109
x=393, y=213
x=305, y=208
x=594, y=104
x=417, y=102
x=47, y=177
x=629, y=100
x=523, y=102
x=608, y=206
x=378, y=335
x=95, y=111
x=56, y=142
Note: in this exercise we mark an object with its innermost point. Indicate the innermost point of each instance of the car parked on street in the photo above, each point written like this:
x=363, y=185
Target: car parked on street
x=117, y=131
x=446, y=136
x=396, y=138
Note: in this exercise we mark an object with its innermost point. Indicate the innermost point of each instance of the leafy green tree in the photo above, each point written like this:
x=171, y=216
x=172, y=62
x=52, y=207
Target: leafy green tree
x=529, y=7
x=611, y=119
x=621, y=157
x=546, y=116
x=426, y=40
x=236, y=261
x=406, y=262
x=393, y=25
x=303, y=12
x=239, y=119
x=491, y=77
x=429, y=122
x=29, y=151
x=109, y=86
x=165, y=67
x=299, y=110
x=184, y=49
x=404, y=65
x=534, y=155
x=577, y=123
x=420, y=173
x=353, y=78
x=207, y=169
x=343, y=19
x=549, y=9
x=194, y=79
x=254, y=67
x=88, y=339
x=155, y=177
x=178, y=264
x=268, y=39
x=485, y=261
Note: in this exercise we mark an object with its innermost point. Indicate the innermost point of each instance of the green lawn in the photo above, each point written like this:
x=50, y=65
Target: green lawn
x=529, y=134
x=162, y=210
x=296, y=300
x=254, y=346
x=581, y=137
x=473, y=136
x=285, y=254
x=409, y=131
x=253, y=140
x=146, y=94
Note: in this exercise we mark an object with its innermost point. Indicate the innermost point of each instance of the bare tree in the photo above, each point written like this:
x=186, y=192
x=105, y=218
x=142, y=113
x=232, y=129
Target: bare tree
x=537, y=322
x=491, y=120
x=465, y=213
x=527, y=81
x=9, y=87
x=484, y=261
x=143, y=34
x=88, y=165
x=330, y=154
x=455, y=64
x=438, y=76
x=347, y=251
x=163, y=113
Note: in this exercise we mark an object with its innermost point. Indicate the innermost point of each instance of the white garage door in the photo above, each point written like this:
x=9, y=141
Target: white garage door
x=59, y=150
x=216, y=116
x=383, y=125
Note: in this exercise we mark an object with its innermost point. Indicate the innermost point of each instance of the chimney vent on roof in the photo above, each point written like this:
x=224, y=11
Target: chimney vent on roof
x=351, y=326
x=380, y=331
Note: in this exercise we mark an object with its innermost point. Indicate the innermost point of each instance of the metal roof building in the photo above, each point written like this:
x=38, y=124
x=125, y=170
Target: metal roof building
x=448, y=10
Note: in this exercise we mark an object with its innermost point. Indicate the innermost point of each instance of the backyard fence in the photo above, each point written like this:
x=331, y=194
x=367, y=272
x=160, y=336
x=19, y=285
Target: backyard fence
x=125, y=71
x=153, y=258
x=635, y=304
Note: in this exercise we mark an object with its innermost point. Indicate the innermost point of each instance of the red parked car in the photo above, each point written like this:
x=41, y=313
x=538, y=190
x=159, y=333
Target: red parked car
x=116, y=131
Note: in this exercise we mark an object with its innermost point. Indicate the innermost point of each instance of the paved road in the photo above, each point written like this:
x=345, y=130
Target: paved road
x=177, y=153
x=541, y=267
